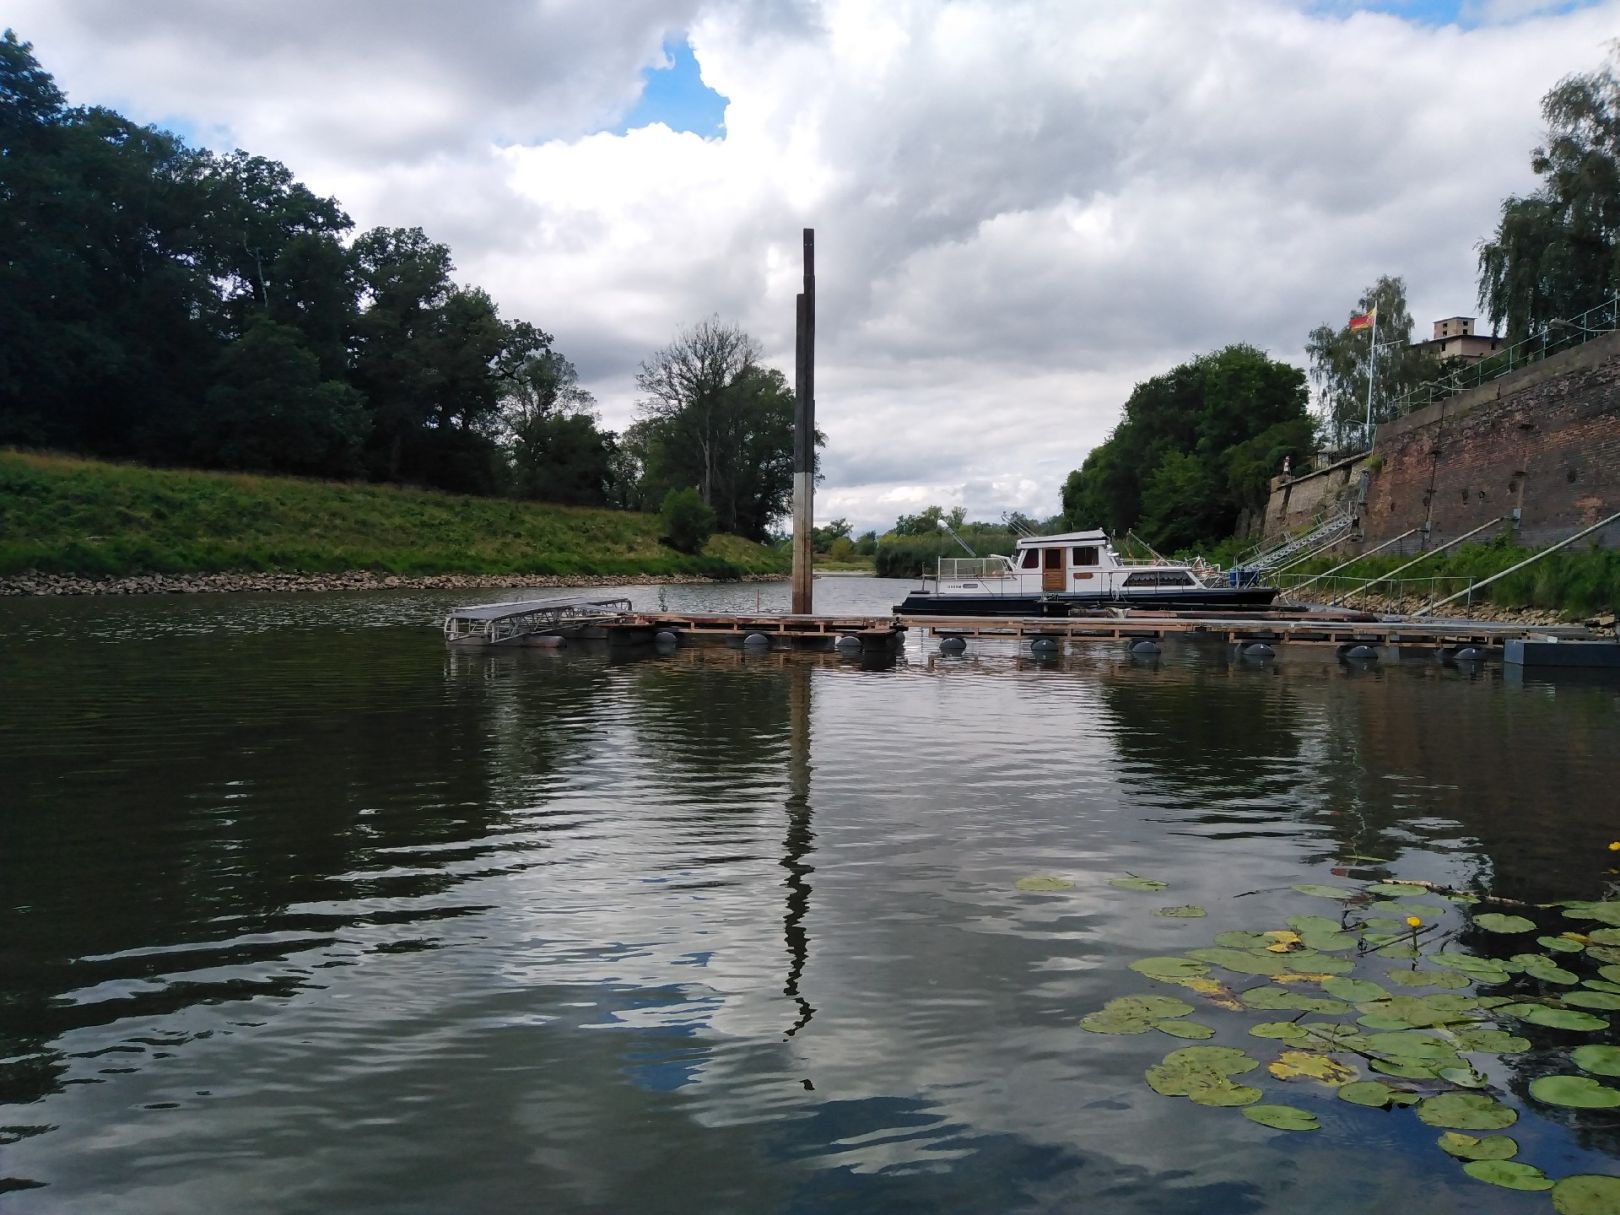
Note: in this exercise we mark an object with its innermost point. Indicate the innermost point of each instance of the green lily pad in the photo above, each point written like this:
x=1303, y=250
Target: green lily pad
x=1043, y=882
x=1375, y=1094
x=1239, y=938
x=1224, y=1060
x=1604, y=936
x=1605, y=1000
x=1187, y=911
x=1462, y=1077
x=1495, y=921
x=1582, y=1092
x=1397, y=889
x=1428, y=978
x=1442, y=1008
x=1489, y=1041
x=1282, y=1118
x=1284, y=1031
x=1606, y=913
x=1241, y=961
x=1603, y=985
x=1327, y=1035
x=1559, y=944
x=1134, y=1014
x=1599, y=1060
x=1587, y=1194
x=1466, y=1112
x=1611, y=973
x=1169, y=968
x=1543, y=968
x=1509, y=1174
x=1325, y=892
x=1223, y=1093
x=1466, y=1147
x=1481, y=970
x=1131, y=882
x=1353, y=990
x=1184, y=1029
x=1409, y=1044
x=1603, y=953
x=1276, y=998
x=1406, y=1069
x=1556, y=1018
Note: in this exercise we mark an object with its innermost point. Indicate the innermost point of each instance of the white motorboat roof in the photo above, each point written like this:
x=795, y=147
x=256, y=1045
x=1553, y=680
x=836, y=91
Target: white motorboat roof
x=1094, y=536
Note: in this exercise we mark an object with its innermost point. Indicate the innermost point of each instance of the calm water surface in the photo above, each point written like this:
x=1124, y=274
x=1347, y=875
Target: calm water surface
x=300, y=912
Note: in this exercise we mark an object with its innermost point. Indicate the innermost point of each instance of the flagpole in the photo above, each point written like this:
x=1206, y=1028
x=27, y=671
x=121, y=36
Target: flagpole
x=1372, y=363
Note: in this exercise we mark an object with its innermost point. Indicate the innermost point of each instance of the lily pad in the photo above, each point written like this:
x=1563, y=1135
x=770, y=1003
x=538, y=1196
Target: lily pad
x=1605, y=1000
x=1275, y=998
x=1481, y=970
x=1406, y=1069
x=1604, y=936
x=1283, y=1031
x=1603, y=953
x=1327, y=1035
x=1239, y=938
x=1187, y=911
x=1184, y=1029
x=1374, y=1094
x=1539, y=967
x=1599, y=1060
x=1509, y=1174
x=1354, y=990
x=1224, y=1093
x=1603, y=985
x=1559, y=944
x=1042, y=882
x=1582, y=1092
x=1241, y=961
x=1428, y=978
x=1297, y=1064
x=1489, y=1041
x=1397, y=889
x=1409, y=1044
x=1169, y=968
x=1282, y=1118
x=1606, y=913
x=1466, y=1112
x=1442, y=1008
x=1587, y=1194
x=1466, y=1147
x=1325, y=892
x=1203, y=1075
x=1495, y=921
x=1611, y=973
x=1556, y=1018
x=1131, y=882
x=1134, y=1014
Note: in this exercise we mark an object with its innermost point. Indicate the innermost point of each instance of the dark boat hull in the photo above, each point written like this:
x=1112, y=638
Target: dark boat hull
x=1202, y=599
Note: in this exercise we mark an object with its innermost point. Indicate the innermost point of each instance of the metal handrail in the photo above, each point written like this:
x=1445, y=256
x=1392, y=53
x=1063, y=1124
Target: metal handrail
x=1559, y=334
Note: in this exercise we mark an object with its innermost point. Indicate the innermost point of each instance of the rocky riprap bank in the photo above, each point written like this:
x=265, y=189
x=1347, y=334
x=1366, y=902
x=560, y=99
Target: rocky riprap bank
x=354, y=580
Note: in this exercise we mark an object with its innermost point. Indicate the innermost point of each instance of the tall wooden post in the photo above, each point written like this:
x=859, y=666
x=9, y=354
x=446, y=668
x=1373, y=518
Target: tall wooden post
x=804, y=433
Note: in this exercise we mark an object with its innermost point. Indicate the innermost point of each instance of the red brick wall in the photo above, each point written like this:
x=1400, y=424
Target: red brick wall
x=1545, y=440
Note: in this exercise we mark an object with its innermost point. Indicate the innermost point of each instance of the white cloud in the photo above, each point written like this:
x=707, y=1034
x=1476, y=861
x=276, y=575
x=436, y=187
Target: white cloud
x=1021, y=208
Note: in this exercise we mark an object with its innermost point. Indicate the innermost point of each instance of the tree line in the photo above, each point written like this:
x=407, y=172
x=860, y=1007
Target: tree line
x=1191, y=458
x=168, y=304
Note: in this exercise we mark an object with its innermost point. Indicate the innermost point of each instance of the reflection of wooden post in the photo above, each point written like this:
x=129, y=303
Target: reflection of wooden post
x=804, y=431
x=796, y=854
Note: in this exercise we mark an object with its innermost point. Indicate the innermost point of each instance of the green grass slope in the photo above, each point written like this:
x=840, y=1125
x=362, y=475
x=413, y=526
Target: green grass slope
x=64, y=515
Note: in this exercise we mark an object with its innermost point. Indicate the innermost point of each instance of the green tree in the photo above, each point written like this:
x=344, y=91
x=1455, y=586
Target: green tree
x=1339, y=359
x=688, y=520
x=1179, y=465
x=269, y=409
x=1556, y=252
x=924, y=523
x=824, y=536
x=713, y=418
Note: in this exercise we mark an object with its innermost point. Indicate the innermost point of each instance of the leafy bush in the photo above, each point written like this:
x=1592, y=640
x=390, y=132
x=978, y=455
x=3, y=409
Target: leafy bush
x=687, y=521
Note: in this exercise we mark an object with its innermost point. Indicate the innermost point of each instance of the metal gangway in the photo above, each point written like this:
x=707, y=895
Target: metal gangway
x=511, y=623
x=1313, y=540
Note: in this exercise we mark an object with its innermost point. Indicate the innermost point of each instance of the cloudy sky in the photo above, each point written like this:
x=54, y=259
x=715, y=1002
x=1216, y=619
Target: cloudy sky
x=1021, y=208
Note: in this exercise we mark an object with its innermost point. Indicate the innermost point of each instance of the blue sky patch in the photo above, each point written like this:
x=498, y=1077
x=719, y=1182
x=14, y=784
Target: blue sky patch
x=677, y=97
x=1466, y=13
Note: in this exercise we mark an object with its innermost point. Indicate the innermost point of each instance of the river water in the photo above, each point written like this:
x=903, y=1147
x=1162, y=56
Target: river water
x=300, y=912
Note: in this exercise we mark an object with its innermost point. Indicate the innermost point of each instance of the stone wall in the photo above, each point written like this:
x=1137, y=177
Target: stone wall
x=1544, y=441
x=1299, y=502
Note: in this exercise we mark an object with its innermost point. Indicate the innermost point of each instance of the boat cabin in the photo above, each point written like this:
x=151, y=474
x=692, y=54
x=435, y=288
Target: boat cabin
x=1073, y=563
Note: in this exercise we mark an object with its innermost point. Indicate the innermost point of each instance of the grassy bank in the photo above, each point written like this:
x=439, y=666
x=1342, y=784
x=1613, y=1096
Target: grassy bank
x=61, y=514
x=1576, y=581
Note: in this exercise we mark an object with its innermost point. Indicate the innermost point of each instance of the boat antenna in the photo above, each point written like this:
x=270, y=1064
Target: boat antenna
x=1130, y=534
x=1015, y=525
x=952, y=534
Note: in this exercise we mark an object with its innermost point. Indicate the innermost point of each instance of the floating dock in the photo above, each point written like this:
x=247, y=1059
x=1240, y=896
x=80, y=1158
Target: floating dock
x=551, y=622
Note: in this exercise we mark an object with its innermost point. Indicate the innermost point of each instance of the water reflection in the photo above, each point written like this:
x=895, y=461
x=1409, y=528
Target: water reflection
x=313, y=918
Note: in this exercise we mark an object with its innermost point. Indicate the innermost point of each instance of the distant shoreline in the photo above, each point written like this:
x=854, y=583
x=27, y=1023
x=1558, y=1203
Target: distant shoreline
x=47, y=585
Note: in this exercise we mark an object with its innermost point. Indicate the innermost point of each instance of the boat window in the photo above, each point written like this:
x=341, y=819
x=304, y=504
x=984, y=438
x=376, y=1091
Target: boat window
x=1085, y=556
x=1054, y=558
x=1160, y=578
x=1032, y=559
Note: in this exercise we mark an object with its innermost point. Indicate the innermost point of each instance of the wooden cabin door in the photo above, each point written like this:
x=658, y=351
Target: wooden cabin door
x=1052, y=569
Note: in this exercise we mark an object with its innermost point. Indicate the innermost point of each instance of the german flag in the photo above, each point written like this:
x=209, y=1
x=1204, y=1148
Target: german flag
x=1363, y=320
